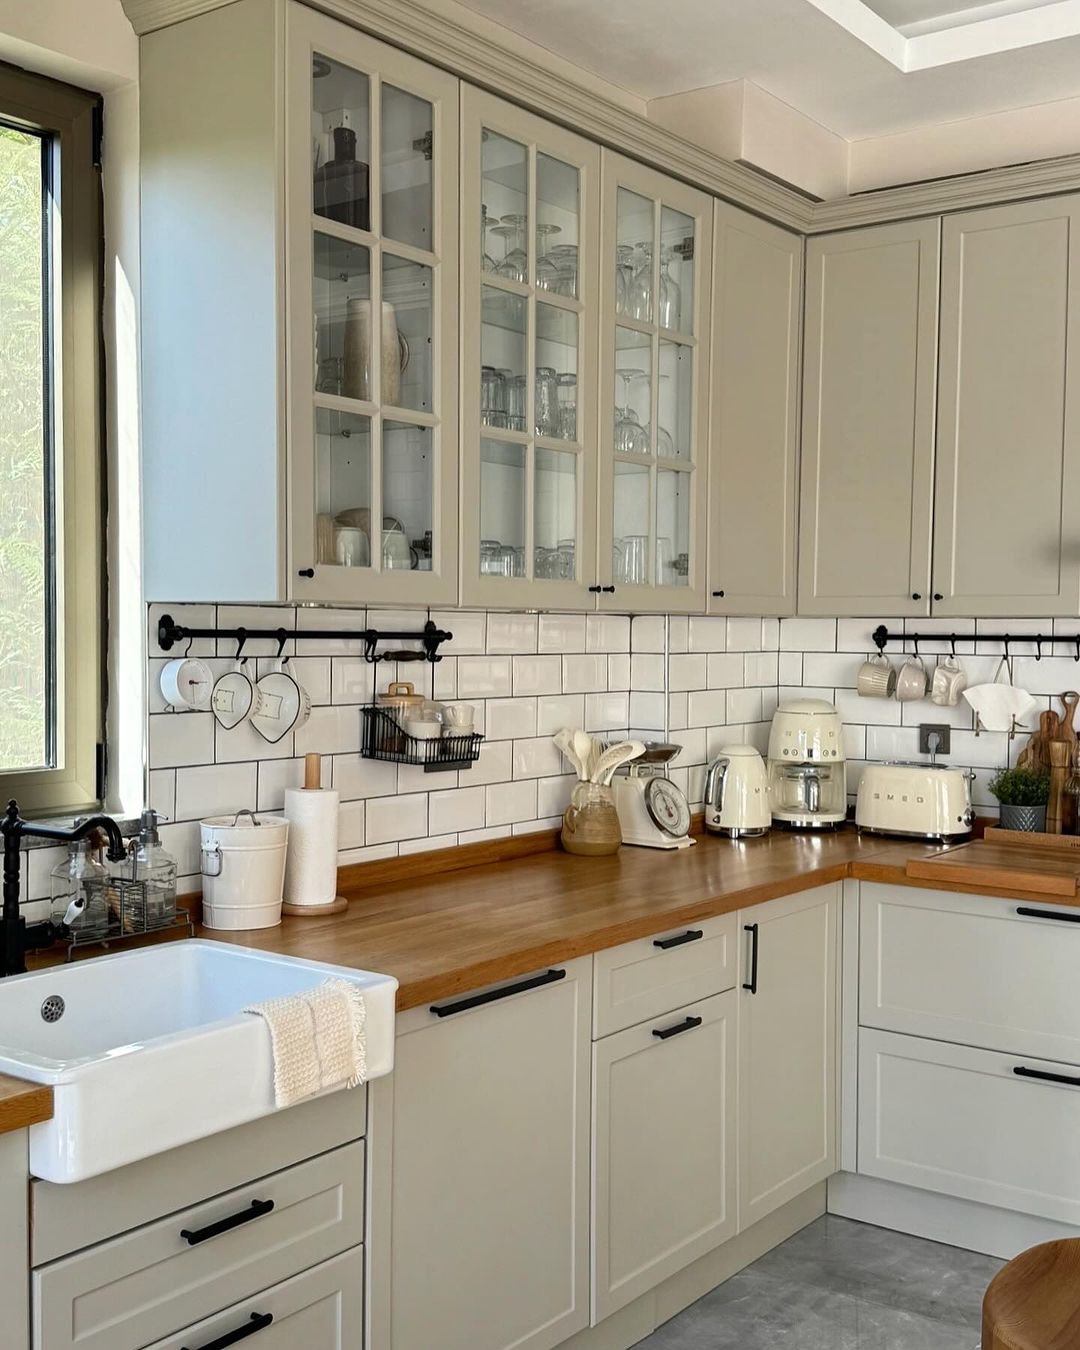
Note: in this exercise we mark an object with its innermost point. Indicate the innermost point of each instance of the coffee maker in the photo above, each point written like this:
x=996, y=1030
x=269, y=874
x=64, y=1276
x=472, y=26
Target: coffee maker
x=807, y=772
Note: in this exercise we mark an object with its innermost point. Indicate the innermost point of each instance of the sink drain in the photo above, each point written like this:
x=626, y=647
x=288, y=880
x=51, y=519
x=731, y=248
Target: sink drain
x=53, y=1008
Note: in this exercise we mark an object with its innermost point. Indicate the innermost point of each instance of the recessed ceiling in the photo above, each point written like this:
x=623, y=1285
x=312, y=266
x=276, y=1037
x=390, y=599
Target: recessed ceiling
x=929, y=15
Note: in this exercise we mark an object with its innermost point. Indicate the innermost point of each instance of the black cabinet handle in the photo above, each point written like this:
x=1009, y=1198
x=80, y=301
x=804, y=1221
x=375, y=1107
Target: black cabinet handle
x=691, y=935
x=259, y=1322
x=677, y=1030
x=752, y=929
x=915, y=595
x=306, y=572
x=938, y=595
x=493, y=995
x=719, y=595
x=608, y=590
x=256, y=1210
x=595, y=590
x=1029, y=913
x=1065, y=1078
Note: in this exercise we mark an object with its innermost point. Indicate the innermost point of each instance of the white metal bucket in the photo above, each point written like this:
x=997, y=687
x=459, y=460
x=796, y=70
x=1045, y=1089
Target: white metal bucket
x=243, y=870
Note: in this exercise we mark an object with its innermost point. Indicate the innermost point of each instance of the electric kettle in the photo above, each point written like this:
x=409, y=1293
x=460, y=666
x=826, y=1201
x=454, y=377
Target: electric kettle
x=737, y=794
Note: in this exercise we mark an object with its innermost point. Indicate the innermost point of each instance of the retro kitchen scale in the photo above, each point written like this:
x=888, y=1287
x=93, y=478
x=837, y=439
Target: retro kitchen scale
x=653, y=811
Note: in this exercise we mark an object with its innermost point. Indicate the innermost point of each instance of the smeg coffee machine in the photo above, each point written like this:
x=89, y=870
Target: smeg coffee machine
x=807, y=772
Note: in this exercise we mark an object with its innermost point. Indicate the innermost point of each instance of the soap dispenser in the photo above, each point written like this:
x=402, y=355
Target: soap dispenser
x=77, y=891
x=153, y=900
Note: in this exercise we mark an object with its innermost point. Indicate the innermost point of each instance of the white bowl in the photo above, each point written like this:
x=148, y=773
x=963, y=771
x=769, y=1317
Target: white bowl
x=424, y=730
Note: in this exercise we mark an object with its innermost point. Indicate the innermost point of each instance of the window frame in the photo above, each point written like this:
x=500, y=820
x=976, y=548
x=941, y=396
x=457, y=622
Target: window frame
x=72, y=118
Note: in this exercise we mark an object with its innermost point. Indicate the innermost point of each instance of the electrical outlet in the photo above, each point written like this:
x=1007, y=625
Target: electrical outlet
x=944, y=735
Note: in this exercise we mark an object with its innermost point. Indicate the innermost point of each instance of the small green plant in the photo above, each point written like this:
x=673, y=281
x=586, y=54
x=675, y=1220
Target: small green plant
x=1021, y=787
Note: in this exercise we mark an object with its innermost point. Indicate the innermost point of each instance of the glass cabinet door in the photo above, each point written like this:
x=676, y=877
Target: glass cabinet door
x=530, y=233
x=373, y=273
x=656, y=250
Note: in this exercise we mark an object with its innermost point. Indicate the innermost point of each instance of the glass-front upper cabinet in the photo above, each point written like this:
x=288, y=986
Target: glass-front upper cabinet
x=530, y=296
x=371, y=188
x=656, y=251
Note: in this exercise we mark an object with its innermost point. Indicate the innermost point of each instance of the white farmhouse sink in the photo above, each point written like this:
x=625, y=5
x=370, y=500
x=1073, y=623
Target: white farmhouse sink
x=152, y=1049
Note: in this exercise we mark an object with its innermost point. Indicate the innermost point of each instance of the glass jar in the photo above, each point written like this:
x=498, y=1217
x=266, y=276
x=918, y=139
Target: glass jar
x=77, y=892
x=567, y=395
x=591, y=823
x=152, y=902
x=547, y=401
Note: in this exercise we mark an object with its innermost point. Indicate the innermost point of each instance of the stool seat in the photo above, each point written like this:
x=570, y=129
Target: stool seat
x=1033, y=1303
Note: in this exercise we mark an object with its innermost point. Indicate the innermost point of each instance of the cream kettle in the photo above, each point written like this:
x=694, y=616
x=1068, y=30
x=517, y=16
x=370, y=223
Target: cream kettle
x=737, y=794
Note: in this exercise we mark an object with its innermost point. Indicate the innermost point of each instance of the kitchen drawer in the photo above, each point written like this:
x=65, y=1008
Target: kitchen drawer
x=973, y=969
x=323, y=1309
x=963, y=1122
x=153, y=1282
x=643, y=979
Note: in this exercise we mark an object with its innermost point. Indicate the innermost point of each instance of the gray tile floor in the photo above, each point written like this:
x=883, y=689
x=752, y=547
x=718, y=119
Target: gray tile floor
x=839, y=1285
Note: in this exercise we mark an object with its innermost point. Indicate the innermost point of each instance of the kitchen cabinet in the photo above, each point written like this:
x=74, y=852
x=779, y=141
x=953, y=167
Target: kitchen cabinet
x=656, y=255
x=15, y=1238
x=1008, y=473
x=867, y=479
x=530, y=194
x=489, y=1214
x=753, y=426
x=787, y=1049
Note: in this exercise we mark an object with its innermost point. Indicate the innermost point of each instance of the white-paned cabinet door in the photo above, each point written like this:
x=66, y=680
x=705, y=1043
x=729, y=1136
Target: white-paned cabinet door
x=753, y=421
x=655, y=301
x=869, y=366
x=787, y=1049
x=663, y=1148
x=1008, y=469
x=530, y=195
x=372, y=274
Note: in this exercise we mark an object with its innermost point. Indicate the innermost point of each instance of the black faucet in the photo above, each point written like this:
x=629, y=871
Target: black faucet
x=18, y=937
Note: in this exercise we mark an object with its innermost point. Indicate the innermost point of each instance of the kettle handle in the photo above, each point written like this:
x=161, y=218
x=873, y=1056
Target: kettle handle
x=714, y=787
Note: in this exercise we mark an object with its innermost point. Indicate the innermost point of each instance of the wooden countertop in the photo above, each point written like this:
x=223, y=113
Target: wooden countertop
x=23, y=1104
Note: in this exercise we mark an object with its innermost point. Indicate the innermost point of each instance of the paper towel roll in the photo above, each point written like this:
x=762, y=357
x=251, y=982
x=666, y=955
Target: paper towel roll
x=311, y=863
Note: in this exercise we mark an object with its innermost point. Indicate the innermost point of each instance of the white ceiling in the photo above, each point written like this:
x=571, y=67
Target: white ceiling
x=802, y=51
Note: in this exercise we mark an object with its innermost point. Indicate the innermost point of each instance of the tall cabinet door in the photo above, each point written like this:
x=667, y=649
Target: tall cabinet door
x=372, y=269
x=753, y=426
x=656, y=254
x=868, y=421
x=530, y=240
x=1008, y=478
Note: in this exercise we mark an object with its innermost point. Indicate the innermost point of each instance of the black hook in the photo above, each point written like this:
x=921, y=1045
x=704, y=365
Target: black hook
x=952, y=642
x=880, y=637
x=915, y=644
x=1038, y=649
x=282, y=638
x=241, y=638
x=371, y=641
x=187, y=649
x=1077, y=656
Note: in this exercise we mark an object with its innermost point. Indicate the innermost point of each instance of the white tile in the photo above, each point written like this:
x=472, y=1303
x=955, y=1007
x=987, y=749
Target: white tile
x=1051, y=675
x=706, y=633
x=689, y=672
x=770, y=699
x=431, y=844
x=484, y=836
x=852, y=707
x=394, y=818
x=511, y=634
x=892, y=743
x=988, y=750
x=332, y=730
x=678, y=714
x=725, y=671
x=356, y=777
x=770, y=635
x=744, y=705
x=189, y=616
x=311, y=673
x=538, y=758
x=761, y=668
x=789, y=668
x=648, y=709
x=536, y=675
x=618, y=671
x=647, y=633
x=162, y=793
x=38, y=864
x=444, y=677
x=962, y=717
x=559, y=633
x=457, y=809
x=607, y=633
x=509, y=718
x=553, y=794
x=351, y=825
x=706, y=708
x=508, y=803
x=808, y=635
x=693, y=746
x=854, y=742
x=648, y=672
x=415, y=778
x=254, y=617
x=537, y=826
x=555, y=711
x=744, y=635
x=181, y=738
x=331, y=621
x=244, y=742
x=469, y=628
x=584, y=674
x=695, y=785
x=606, y=712
x=679, y=633
x=495, y=764
x=804, y=691
x=377, y=853
x=352, y=680
x=836, y=669
x=214, y=790
x=485, y=676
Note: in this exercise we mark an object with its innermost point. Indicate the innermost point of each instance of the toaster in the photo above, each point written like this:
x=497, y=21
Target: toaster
x=921, y=801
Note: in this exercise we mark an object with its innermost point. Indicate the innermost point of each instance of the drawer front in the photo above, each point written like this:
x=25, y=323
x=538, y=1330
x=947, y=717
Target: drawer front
x=962, y=1122
x=323, y=1309
x=153, y=1281
x=971, y=969
x=643, y=979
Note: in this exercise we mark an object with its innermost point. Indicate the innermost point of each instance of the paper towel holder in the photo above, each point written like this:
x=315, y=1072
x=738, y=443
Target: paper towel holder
x=313, y=783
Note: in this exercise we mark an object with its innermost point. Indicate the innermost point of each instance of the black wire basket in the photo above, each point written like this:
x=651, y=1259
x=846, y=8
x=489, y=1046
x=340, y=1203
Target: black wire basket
x=385, y=738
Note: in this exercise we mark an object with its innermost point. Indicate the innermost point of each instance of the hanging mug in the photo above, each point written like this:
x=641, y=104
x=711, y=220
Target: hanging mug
x=948, y=684
x=234, y=697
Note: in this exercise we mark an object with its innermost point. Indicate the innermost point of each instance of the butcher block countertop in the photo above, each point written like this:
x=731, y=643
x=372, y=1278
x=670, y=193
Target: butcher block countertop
x=23, y=1104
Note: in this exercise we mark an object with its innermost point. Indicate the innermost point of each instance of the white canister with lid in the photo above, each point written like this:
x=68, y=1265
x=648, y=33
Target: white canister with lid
x=243, y=870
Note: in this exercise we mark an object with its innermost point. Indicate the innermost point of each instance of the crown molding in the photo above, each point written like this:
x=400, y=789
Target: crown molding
x=145, y=16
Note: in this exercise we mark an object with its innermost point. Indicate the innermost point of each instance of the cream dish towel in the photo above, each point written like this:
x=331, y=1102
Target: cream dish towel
x=318, y=1040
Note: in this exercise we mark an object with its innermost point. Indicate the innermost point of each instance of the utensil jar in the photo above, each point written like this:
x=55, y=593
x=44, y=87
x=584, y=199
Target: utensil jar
x=590, y=825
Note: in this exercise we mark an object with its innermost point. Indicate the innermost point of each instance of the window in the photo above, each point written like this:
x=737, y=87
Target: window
x=51, y=546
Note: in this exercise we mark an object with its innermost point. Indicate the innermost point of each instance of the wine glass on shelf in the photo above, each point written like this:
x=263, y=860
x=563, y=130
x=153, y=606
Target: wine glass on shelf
x=624, y=275
x=631, y=438
x=669, y=296
x=515, y=264
x=547, y=266
x=639, y=294
x=487, y=262
x=565, y=257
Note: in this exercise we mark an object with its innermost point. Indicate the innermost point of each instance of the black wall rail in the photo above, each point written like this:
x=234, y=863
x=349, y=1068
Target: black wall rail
x=882, y=637
x=430, y=637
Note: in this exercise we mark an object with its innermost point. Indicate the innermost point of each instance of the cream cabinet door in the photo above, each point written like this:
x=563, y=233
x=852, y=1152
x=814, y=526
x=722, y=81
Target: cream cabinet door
x=490, y=1173
x=753, y=423
x=663, y=1148
x=1008, y=478
x=787, y=1049
x=868, y=421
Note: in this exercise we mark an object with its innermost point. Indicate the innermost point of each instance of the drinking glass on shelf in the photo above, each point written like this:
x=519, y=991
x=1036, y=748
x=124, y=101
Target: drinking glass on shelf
x=639, y=294
x=635, y=560
x=487, y=262
x=669, y=296
x=489, y=557
x=492, y=397
x=631, y=438
x=516, y=403
x=566, y=260
x=546, y=411
x=565, y=558
x=545, y=563
x=624, y=275
x=515, y=265
x=567, y=394
x=547, y=266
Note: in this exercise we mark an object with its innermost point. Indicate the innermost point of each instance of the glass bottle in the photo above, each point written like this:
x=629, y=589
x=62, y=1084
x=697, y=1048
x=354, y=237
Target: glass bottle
x=77, y=892
x=342, y=192
x=152, y=902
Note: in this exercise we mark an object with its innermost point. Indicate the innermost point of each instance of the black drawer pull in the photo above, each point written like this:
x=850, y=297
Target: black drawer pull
x=752, y=929
x=1029, y=913
x=259, y=1322
x=212, y=1230
x=306, y=572
x=492, y=995
x=691, y=935
x=1043, y=1077
x=678, y=1029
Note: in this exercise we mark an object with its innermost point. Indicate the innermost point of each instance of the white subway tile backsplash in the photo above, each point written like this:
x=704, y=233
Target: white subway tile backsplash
x=161, y=786
x=427, y=845
x=393, y=818
x=585, y=674
x=244, y=742
x=706, y=633
x=647, y=632
x=648, y=672
x=606, y=712
x=256, y=616
x=352, y=680
x=744, y=705
x=678, y=711
x=351, y=825
x=789, y=668
x=509, y=803
x=469, y=627
x=808, y=635
x=486, y=676
x=648, y=709
x=354, y=777
x=852, y=707
x=725, y=671
x=679, y=633
x=830, y=668
x=555, y=711
x=607, y=633
x=892, y=743
x=495, y=764
x=190, y=616
x=215, y=790
x=744, y=635
x=553, y=794
x=184, y=842
x=689, y=671
x=537, y=675
x=706, y=708
x=560, y=633
x=377, y=853
x=181, y=738
x=513, y=634
x=618, y=671
x=770, y=635
x=332, y=730
x=509, y=718
x=853, y=635
x=537, y=758
x=455, y=810
x=331, y=621
x=761, y=668
x=692, y=741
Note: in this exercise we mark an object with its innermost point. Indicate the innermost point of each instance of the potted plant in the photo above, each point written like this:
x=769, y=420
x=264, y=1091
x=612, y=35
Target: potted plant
x=1022, y=794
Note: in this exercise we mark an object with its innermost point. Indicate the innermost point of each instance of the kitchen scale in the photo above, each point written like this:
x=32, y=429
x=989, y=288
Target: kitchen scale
x=653, y=812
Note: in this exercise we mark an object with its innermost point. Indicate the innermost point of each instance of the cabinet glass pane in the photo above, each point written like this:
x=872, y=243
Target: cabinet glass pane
x=631, y=553
x=342, y=488
x=407, y=140
x=504, y=206
x=674, y=407
x=502, y=509
x=555, y=515
x=407, y=489
x=557, y=213
x=556, y=372
x=634, y=222
x=341, y=142
x=673, y=527
x=676, y=282
x=503, y=359
x=406, y=334
x=633, y=392
x=342, y=294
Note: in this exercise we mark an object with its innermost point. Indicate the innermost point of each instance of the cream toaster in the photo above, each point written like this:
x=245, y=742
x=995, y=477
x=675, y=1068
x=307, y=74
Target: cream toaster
x=921, y=801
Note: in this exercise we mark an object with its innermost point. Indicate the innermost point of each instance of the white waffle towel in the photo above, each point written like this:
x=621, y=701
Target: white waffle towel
x=318, y=1040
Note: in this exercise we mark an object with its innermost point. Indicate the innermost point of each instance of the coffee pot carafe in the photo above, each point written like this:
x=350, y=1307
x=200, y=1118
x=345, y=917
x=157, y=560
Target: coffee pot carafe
x=807, y=772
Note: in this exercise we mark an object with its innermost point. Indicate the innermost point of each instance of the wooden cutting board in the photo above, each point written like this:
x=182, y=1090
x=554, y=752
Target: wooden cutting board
x=984, y=863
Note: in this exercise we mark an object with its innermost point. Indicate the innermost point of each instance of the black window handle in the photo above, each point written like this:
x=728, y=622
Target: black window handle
x=667, y=1032
x=256, y=1210
x=492, y=995
x=752, y=929
x=1043, y=1077
x=1029, y=913
x=306, y=572
x=258, y=1322
x=691, y=935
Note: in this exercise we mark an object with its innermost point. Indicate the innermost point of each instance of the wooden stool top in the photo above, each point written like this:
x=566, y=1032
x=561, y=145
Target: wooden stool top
x=1033, y=1303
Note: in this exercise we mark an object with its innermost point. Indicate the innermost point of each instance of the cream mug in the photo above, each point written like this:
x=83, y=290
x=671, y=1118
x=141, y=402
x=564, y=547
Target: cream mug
x=458, y=719
x=948, y=684
x=876, y=677
x=911, y=681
